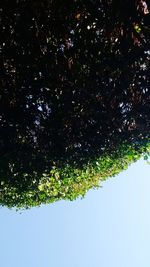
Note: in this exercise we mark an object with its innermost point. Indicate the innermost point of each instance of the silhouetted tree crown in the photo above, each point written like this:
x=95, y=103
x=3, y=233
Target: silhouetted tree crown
x=74, y=95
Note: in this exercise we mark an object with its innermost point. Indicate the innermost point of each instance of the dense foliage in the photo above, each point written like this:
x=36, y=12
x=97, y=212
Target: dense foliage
x=74, y=95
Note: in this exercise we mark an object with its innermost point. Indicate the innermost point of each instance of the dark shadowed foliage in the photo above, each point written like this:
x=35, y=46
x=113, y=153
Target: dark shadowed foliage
x=74, y=95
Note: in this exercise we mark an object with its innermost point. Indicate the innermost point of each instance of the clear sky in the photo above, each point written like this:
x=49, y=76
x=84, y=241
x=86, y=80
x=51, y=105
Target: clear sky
x=110, y=227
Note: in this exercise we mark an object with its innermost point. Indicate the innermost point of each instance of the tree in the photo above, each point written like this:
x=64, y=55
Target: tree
x=74, y=105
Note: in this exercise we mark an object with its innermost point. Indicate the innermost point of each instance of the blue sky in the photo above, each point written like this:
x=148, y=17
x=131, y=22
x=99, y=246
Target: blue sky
x=109, y=227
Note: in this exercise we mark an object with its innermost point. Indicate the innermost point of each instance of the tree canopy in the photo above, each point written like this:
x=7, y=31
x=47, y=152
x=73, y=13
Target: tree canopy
x=74, y=95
